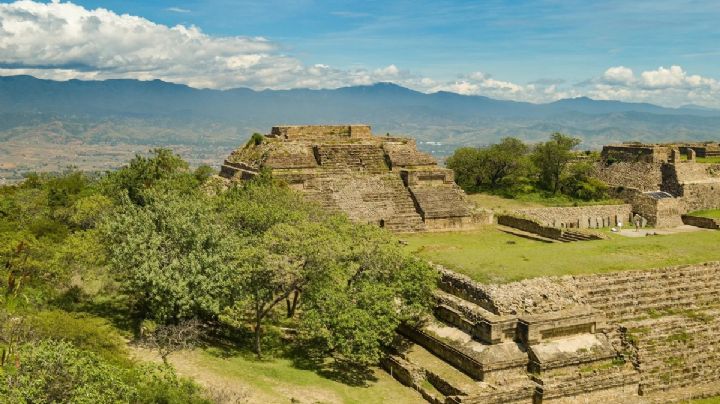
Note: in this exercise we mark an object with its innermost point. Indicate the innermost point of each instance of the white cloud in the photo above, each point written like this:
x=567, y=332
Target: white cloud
x=664, y=78
x=619, y=75
x=671, y=86
x=178, y=10
x=480, y=83
x=56, y=38
x=63, y=41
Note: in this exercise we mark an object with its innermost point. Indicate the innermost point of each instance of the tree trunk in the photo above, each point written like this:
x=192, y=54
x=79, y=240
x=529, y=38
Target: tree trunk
x=258, y=329
x=258, y=332
x=291, y=306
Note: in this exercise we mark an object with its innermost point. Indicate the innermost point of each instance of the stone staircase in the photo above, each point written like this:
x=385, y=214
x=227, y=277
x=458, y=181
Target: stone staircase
x=440, y=201
x=380, y=199
x=673, y=352
x=568, y=236
x=637, y=336
x=634, y=294
x=468, y=354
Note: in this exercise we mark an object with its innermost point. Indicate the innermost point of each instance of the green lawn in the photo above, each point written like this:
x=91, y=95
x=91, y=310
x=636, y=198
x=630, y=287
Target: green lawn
x=709, y=160
x=530, y=200
x=281, y=381
x=489, y=255
x=711, y=213
x=711, y=400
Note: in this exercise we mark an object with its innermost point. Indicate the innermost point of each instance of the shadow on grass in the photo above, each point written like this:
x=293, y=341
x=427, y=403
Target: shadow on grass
x=112, y=307
x=308, y=357
x=305, y=356
x=226, y=343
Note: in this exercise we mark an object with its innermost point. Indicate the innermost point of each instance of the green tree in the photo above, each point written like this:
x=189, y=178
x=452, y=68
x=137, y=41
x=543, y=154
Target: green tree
x=172, y=256
x=492, y=167
x=252, y=208
x=162, y=169
x=504, y=160
x=552, y=158
x=579, y=182
x=281, y=264
x=466, y=163
x=352, y=309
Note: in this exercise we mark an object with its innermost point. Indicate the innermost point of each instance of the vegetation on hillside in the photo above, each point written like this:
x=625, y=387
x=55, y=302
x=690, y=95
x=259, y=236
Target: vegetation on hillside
x=164, y=256
x=512, y=168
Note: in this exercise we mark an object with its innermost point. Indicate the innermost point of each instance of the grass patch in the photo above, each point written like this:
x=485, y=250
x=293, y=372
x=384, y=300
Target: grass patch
x=281, y=381
x=531, y=200
x=710, y=213
x=708, y=160
x=680, y=336
x=490, y=255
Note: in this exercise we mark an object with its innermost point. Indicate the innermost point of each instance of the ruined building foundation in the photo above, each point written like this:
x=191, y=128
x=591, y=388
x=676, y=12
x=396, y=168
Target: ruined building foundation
x=629, y=337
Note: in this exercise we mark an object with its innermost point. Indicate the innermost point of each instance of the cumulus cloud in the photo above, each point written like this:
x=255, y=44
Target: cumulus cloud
x=671, y=86
x=618, y=75
x=62, y=41
x=57, y=38
x=480, y=83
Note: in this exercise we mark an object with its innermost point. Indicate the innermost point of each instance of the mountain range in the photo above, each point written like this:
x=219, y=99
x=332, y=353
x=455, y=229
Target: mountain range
x=157, y=113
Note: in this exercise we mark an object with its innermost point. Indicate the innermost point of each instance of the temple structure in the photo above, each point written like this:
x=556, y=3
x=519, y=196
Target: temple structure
x=383, y=180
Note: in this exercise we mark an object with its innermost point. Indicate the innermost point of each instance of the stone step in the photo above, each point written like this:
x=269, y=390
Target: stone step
x=446, y=378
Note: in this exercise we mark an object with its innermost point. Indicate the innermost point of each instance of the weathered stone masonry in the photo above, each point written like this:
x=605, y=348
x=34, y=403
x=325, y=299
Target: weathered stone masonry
x=374, y=179
x=628, y=337
x=636, y=173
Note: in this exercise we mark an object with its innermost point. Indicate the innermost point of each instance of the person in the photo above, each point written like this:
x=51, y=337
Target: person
x=637, y=219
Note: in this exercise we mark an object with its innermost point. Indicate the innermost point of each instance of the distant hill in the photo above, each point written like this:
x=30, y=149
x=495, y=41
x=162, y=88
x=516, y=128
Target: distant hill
x=157, y=112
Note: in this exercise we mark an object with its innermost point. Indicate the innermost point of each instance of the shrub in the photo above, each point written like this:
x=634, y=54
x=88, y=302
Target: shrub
x=52, y=371
x=82, y=330
x=256, y=139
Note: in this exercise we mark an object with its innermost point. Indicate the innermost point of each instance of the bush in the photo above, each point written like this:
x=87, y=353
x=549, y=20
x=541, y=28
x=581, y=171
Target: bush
x=580, y=183
x=56, y=371
x=52, y=371
x=82, y=330
x=160, y=384
x=255, y=140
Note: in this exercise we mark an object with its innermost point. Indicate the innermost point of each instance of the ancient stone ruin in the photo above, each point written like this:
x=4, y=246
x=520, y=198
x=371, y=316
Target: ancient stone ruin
x=374, y=179
x=658, y=183
x=628, y=337
x=652, y=180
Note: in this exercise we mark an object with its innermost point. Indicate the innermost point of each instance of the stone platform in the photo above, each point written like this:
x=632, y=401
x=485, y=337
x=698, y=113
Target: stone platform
x=628, y=337
x=381, y=180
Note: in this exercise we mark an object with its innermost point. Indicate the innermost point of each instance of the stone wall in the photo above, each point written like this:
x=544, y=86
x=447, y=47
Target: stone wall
x=537, y=295
x=635, y=336
x=583, y=217
x=632, y=153
x=643, y=176
x=659, y=212
x=298, y=132
x=704, y=222
x=406, y=154
x=530, y=226
x=697, y=184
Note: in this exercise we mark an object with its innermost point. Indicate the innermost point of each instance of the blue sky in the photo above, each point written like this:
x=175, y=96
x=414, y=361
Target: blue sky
x=527, y=50
x=522, y=39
